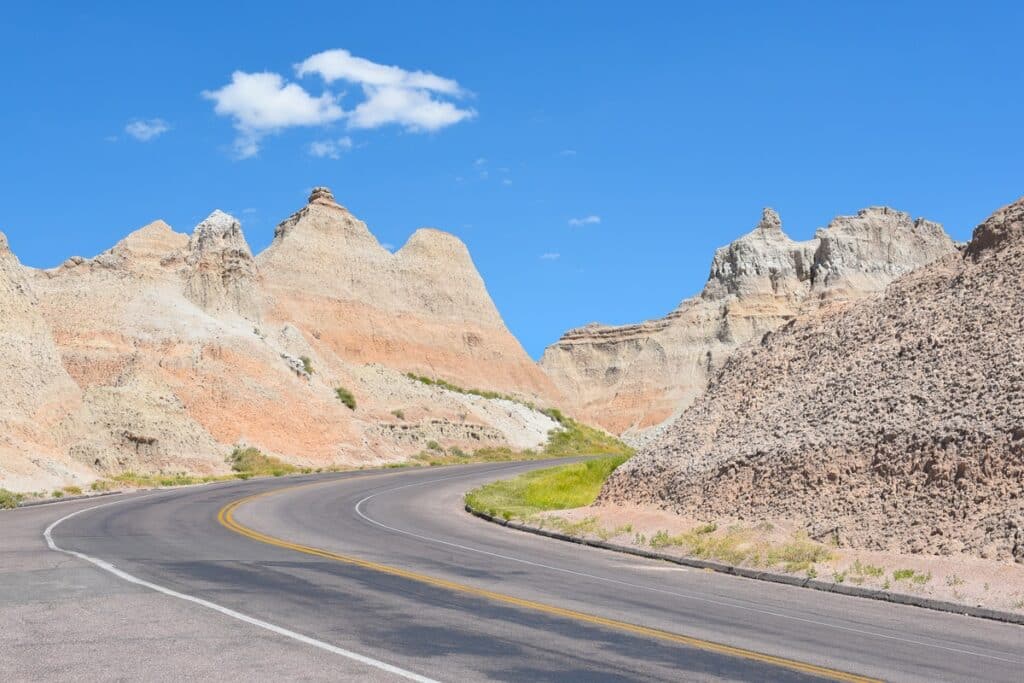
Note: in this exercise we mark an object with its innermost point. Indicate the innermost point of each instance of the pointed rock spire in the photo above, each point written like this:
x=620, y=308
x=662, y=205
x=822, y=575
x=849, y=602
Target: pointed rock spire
x=770, y=221
x=222, y=273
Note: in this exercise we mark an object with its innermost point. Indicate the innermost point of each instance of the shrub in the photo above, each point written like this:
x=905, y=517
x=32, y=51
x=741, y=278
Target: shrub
x=102, y=485
x=253, y=461
x=866, y=569
x=73, y=490
x=9, y=500
x=307, y=364
x=433, y=446
x=400, y=414
x=661, y=539
x=346, y=397
x=58, y=494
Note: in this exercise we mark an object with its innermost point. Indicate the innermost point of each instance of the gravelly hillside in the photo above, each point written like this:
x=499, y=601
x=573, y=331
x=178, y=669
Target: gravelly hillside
x=896, y=422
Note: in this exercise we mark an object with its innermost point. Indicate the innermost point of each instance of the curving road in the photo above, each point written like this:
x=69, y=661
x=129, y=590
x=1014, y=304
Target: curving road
x=381, y=575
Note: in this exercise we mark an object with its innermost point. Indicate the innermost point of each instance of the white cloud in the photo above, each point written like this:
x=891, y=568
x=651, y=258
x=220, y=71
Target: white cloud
x=506, y=181
x=330, y=149
x=388, y=246
x=332, y=65
x=416, y=110
x=586, y=220
x=393, y=95
x=567, y=153
x=550, y=256
x=262, y=103
x=146, y=130
x=480, y=162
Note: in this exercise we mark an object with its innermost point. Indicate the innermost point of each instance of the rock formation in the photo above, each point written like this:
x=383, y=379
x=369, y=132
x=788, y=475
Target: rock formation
x=162, y=353
x=40, y=401
x=222, y=273
x=423, y=309
x=896, y=422
x=632, y=378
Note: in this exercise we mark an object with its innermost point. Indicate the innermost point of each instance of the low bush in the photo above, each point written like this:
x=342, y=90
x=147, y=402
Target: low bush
x=346, y=397
x=252, y=461
x=9, y=500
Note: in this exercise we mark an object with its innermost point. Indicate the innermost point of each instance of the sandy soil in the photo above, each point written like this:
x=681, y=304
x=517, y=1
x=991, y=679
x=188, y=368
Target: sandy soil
x=957, y=578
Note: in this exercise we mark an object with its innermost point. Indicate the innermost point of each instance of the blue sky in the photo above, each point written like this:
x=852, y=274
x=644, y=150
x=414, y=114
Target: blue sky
x=592, y=155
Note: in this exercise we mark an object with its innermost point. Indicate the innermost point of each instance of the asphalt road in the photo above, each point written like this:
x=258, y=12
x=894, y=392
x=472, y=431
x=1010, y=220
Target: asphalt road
x=381, y=575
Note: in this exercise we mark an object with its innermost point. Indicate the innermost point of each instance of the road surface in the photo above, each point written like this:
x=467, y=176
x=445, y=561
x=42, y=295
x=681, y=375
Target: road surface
x=382, y=576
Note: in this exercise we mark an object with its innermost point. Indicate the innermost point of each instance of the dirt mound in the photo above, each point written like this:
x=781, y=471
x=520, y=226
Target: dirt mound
x=894, y=423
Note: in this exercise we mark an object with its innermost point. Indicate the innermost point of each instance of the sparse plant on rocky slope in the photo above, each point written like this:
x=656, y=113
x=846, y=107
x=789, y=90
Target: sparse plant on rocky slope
x=346, y=397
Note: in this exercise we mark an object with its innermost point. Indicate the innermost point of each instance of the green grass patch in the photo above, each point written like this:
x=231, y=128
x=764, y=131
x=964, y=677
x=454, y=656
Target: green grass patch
x=576, y=438
x=862, y=569
x=346, y=397
x=483, y=393
x=912, y=576
x=743, y=546
x=307, y=364
x=569, y=439
x=552, y=488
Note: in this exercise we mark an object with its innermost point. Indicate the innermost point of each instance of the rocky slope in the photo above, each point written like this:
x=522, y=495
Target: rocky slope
x=163, y=353
x=894, y=423
x=40, y=401
x=423, y=309
x=632, y=378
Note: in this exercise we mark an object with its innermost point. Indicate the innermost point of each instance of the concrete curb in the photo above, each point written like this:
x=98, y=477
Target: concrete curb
x=66, y=499
x=774, y=577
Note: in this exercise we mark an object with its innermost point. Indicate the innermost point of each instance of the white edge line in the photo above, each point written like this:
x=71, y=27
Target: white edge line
x=690, y=596
x=306, y=640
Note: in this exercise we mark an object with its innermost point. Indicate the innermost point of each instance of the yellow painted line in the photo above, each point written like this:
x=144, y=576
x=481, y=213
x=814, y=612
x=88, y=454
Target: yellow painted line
x=226, y=518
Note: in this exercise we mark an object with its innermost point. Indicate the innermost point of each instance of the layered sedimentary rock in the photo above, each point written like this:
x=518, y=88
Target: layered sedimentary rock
x=40, y=401
x=632, y=378
x=169, y=349
x=222, y=272
x=423, y=309
x=896, y=422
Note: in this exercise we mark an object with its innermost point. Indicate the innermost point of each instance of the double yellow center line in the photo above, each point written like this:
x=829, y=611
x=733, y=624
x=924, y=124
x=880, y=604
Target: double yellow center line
x=226, y=518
